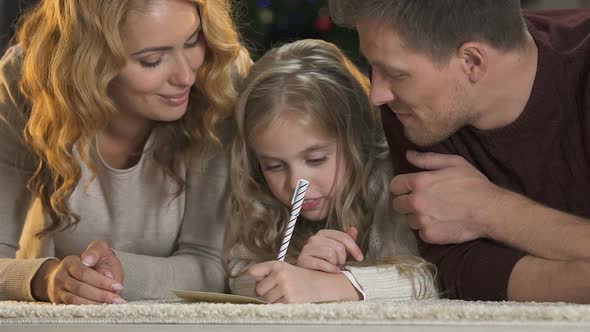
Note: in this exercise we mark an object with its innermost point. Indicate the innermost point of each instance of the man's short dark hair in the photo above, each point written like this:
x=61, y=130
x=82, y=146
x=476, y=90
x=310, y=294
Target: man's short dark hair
x=440, y=27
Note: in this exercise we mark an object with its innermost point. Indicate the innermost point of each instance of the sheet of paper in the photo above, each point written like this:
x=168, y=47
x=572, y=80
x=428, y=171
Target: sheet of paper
x=196, y=296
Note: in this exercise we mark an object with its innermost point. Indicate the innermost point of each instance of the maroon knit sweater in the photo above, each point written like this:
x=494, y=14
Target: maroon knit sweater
x=543, y=155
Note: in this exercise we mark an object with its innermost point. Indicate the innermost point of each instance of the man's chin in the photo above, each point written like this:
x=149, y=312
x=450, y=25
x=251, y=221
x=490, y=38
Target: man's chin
x=423, y=138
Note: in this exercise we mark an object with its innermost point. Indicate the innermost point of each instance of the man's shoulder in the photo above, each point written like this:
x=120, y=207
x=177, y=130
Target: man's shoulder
x=566, y=31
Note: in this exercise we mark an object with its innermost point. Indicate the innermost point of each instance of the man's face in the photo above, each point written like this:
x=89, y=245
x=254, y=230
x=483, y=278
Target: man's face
x=430, y=101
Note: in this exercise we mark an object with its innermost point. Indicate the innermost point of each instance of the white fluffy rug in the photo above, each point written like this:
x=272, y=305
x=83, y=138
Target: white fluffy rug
x=181, y=312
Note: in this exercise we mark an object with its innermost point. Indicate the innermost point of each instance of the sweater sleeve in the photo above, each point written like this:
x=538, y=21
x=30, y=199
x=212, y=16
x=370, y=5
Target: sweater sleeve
x=240, y=259
x=17, y=164
x=476, y=270
x=196, y=263
x=385, y=282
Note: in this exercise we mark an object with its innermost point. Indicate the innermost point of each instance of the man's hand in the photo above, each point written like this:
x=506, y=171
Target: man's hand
x=448, y=202
x=327, y=250
x=280, y=282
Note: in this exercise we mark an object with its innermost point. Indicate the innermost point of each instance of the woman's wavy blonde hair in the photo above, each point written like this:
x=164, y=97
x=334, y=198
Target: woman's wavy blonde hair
x=73, y=49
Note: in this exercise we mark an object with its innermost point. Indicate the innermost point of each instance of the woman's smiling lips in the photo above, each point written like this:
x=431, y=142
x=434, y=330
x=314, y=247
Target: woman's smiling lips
x=178, y=99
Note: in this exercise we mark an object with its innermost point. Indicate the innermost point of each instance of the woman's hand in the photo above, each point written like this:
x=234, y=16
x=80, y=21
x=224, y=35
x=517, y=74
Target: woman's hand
x=327, y=250
x=71, y=281
x=280, y=282
x=103, y=259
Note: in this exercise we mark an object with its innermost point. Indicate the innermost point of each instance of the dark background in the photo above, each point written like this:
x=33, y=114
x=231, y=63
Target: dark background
x=264, y=23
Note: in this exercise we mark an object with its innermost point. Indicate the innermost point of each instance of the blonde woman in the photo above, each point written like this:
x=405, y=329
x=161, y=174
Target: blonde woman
x=111, y=149
x=304, y=112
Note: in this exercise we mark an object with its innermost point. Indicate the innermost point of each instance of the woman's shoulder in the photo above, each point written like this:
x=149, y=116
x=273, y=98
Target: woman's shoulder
x=12, y=101
x=10, y=67
x=13, y=109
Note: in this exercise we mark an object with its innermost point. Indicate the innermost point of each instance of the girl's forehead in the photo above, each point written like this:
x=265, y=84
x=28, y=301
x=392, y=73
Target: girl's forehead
x=288, y=121
x=289, y=132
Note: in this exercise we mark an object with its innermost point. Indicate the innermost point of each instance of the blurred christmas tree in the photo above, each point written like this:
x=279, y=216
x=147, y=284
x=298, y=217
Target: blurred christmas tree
x=268, y=23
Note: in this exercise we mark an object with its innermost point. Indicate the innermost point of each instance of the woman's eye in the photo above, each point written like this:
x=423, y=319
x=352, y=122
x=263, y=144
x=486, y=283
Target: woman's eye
x=148, y=64
x=193, y=41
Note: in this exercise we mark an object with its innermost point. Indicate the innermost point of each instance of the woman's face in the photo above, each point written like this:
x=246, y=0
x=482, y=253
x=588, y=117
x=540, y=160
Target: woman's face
x=165, y=47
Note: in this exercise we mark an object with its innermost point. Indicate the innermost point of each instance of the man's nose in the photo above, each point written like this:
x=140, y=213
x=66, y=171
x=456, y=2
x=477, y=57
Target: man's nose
x=381, y=93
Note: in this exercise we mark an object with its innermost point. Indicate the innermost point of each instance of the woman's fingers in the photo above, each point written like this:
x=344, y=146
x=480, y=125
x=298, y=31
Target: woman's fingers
x=83, y=282
x=86, y=294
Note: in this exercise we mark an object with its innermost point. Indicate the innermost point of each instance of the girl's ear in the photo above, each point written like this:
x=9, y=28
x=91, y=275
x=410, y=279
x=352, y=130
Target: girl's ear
x=474, y=60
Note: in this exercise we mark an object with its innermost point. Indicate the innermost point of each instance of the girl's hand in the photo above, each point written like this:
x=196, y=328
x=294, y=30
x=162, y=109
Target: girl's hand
x=280, y=282
x=73, y=282
x=327, y=250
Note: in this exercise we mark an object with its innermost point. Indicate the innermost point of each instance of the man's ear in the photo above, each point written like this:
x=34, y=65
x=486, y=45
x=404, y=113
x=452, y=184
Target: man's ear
x=474, y=60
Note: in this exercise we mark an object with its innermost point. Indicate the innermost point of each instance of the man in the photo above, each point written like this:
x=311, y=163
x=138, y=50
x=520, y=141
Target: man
x=499, y=104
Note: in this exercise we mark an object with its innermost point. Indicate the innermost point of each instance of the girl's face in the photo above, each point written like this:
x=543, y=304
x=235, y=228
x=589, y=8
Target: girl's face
x=290, y=150
x=165, y=47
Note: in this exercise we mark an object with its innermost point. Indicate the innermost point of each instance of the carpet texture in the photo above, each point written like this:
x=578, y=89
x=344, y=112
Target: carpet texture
x=182, y=312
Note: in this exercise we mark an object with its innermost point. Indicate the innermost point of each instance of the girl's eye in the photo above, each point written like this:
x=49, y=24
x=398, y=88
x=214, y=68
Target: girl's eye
x=147, y=64
x=193, y=41
x=273, y=167
x=316, y=161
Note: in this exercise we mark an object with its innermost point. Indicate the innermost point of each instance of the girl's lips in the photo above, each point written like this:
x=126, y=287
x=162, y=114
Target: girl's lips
x=176, y=100
x=310, y=204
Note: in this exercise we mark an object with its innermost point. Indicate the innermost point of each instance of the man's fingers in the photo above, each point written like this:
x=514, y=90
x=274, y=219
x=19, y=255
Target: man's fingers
x=413, y=222
x=402, y=184
x=405, y=204
x=433, y=161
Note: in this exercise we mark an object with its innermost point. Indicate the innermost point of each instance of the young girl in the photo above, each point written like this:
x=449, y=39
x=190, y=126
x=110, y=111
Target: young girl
x=304, y=113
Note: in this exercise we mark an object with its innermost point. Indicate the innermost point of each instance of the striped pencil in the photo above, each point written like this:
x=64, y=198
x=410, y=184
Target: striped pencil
x=296, y=203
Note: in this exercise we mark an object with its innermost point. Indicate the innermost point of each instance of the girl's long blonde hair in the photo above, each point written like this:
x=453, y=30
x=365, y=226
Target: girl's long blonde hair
x=73, y=49
x=315, y=79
